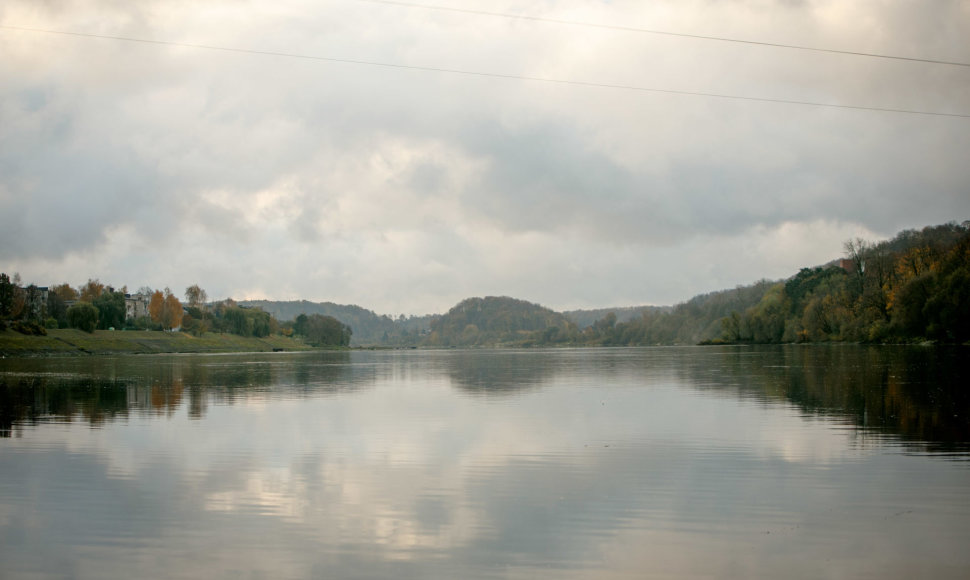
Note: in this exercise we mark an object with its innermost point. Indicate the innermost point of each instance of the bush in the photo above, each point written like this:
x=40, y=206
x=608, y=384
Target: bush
x=320, y=330
x=51, y=322
x=29, y=328
x=142, y=323
x=83, y=316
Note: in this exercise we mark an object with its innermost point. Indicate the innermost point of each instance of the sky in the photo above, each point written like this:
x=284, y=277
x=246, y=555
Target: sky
x=403, y=156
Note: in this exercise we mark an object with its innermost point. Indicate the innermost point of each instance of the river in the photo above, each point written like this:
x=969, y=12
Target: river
x=838, y=461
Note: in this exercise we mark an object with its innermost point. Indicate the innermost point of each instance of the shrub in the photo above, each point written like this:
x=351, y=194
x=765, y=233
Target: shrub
x=83, y=316
x=29, y=328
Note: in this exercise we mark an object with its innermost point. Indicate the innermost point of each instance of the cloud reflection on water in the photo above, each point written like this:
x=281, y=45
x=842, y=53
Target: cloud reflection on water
x=613, y=463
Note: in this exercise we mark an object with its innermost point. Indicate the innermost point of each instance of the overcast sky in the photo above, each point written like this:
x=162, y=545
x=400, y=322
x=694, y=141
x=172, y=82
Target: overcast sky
x=405, y=190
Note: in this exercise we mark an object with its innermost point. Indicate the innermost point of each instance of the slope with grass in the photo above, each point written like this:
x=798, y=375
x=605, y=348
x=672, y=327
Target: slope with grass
x=71, y=341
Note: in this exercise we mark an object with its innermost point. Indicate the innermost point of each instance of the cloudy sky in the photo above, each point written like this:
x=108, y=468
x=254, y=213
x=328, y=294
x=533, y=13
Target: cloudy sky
x=293, y=149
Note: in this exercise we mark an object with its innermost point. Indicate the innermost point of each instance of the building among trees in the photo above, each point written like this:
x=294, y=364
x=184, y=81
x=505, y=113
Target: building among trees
x=136, y=306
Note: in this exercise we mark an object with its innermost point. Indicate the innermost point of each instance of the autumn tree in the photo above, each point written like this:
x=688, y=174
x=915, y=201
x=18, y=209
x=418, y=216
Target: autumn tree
x=155, y=304
x=172, y=312
x=165, y=309
x=195, y=296
x=64, y=292
x=91, y=290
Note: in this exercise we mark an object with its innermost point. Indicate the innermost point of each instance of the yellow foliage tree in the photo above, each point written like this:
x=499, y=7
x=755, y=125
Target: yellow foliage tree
x=64, y=291
x=155, y=306
x=172, y=311
x=165, y=309
x=916, y=262
x=91, y=290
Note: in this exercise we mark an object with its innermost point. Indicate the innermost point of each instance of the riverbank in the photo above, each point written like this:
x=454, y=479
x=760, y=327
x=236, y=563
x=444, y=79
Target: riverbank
x=61, y=342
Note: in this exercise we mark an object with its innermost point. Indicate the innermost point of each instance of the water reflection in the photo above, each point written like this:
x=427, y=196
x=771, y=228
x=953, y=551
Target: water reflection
x=27, y=399
x=500, y=372
x=916, y=393
x=100, y=389
x=624, y=463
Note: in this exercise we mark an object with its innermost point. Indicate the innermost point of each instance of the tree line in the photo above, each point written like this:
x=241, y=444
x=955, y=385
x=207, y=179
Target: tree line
x=911, y=288
x=97, y=306
x=369, y=327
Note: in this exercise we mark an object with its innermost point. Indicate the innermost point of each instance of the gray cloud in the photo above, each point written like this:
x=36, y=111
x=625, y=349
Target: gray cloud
x=261, y=175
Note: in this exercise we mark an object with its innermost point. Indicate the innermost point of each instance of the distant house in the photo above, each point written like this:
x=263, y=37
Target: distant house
x=847, y=265
x=136, y=306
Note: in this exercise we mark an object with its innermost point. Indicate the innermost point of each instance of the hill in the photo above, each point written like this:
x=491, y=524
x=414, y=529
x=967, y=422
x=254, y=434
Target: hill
x=914, y=287
x=494, y=321
x=911, y=288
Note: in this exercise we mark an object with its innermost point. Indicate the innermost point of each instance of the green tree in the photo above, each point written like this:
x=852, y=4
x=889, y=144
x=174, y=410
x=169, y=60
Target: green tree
x=83, y=316
x=12, y=299
x=731, y=327
x=6, y=296
x=57, y=300
x=300, y=325
x=195, y=298
x=320, y=330
x=111, y=309
x=765, y=322
x=244, y=321
x=947, y=310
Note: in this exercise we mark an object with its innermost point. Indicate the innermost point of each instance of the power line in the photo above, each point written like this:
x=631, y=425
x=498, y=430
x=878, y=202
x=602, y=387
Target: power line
x=486, y=74
x=663, y=32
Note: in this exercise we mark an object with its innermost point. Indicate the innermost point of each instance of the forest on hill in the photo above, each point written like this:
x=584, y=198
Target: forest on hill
x=911, y=288
x=500, y=320
x=914, y=287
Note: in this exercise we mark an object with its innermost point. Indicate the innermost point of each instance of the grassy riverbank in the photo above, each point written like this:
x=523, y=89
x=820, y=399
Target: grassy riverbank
x=70, y=341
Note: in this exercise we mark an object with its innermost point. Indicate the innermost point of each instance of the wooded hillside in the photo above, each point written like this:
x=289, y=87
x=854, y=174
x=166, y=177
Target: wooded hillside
x=913, y=287
x=500, y=320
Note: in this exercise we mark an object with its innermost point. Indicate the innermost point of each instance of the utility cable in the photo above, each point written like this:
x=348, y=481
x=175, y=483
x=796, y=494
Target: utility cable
x=486, y=74
x=662, y=32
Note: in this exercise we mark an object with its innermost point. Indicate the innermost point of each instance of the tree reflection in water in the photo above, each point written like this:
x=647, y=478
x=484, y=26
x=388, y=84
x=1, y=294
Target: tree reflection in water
x=916, y=393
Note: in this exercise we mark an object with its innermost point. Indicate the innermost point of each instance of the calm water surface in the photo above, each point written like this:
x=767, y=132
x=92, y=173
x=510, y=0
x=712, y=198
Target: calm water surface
x=787, y=462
